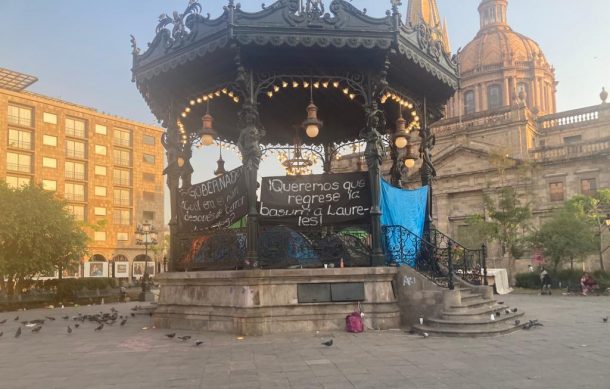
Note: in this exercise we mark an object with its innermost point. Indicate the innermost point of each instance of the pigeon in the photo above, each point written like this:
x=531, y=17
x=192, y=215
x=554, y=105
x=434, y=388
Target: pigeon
x=133, y=314
x=3, y=321
x=65, y=317
x=507, y=311
x=492, y=317
x=99, y=328
x=498, y=313
x=425, y=334
x=15, y=319
x=328, y=343
x=76, y=325
x=517, y=322
x=1, y=333
x=171, y=335
x=50, y=318
x=197, y=343
x=500, y=302
x=18, y=333
x=515, y=310
x=123, y=322
x=184, y=338
x=36, y=329
x=69, y=329
x=605, y=319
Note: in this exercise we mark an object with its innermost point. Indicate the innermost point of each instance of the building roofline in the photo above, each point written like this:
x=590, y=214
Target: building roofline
x=74, y=106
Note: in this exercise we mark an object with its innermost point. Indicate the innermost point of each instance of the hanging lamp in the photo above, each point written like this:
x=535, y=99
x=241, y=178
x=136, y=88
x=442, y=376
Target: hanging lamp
x=207, y=133
x=312, y=125
x=221, y=163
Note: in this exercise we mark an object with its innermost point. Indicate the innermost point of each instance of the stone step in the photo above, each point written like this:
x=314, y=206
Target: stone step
x=478, y=323
x=474, y=303
x=506, y=328
x=473, y=313
x=468, y=296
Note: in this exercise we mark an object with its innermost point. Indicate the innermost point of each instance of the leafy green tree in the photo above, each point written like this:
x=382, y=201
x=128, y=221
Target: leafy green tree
x=506, y=222
x=37, y=235
x=594, y=210
x=567, y=235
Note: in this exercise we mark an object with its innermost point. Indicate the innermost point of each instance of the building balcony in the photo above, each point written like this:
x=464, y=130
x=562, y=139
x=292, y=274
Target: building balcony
x=571, y=151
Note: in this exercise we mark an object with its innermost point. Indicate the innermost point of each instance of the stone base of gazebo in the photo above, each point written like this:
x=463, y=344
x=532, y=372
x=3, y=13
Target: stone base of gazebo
x=258, y=302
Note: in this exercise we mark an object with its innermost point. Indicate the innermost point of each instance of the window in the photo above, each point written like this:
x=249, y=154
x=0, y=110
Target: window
x=149, y=159
x=17, y=182
x=99, y=236
x=100, y=170
x=148, y=215
x=122, y=197
x=148, y=177
x=101, y=150
x=50, y=118
x=588, y=186
x=121, y=177
x=121, y=138
x=522, y=91
x=101, y=191
x=49, y=140
x=99, y=211
x=122, y=236
x=20, y=115
x=49, y=185
x=75, y=149
x=556, y=191
x=121, y=157
x=75, y=192
x=148, y=140
x=469, y=102
x=121, y=216
x=74, y=170
x=19, y=139
x=77, y=211
x=51, y=163
x=102, y=130
x=494, y=97
x=148, y=196
x=75, y=128
x=572, y=139
x=19, y=162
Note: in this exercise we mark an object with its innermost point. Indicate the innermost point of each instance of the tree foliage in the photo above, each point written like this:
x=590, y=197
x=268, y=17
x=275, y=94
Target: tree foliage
x=594, y=210
x=566, y=236
x=37, y=235
x=506, y=221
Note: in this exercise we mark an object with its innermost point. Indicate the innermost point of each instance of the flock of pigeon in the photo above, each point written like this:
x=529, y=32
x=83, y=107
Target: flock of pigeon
x=100, y=320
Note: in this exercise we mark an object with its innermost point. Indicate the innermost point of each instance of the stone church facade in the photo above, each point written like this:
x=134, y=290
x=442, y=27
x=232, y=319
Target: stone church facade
x=502, y=129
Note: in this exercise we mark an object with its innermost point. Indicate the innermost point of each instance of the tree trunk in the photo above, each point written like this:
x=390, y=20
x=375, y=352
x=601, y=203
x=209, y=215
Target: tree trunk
x=571, y=263
x=61, y=270
x=601, y=249
x=10, y=286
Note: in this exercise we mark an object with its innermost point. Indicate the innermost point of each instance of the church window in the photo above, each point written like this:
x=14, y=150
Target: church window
x=556, y=191
x=494, y=97
x=588, y=187
x=469, y=102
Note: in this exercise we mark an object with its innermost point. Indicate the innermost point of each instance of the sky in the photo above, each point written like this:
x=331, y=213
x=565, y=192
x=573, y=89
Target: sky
x=80, y=49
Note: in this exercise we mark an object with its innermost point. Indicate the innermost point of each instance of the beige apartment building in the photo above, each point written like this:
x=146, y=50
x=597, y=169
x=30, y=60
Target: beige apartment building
x=108, y=169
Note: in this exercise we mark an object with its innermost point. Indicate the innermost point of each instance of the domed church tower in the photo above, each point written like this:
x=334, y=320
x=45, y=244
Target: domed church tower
x=500, y=68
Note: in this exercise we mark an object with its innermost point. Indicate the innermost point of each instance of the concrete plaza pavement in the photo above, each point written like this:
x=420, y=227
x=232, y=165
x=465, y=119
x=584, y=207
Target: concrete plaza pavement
x=572, y=350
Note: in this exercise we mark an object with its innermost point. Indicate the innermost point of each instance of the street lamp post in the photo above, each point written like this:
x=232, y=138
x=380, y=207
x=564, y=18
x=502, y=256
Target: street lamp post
x=146, y=235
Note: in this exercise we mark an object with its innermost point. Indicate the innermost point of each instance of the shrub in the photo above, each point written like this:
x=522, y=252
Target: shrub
x=529, y=280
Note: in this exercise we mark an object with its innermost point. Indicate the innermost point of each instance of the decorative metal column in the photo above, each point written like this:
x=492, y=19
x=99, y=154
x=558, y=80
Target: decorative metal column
x=374, y=154
x=427, y=171
x=173, y=171
x=249, y=146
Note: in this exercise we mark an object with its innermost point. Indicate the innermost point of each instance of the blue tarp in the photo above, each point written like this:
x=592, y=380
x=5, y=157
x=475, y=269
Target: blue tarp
x=406, y=208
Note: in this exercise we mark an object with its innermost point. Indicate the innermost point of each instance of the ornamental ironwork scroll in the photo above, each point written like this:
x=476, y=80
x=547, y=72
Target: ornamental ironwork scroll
x=316, y=200
x=214, y=204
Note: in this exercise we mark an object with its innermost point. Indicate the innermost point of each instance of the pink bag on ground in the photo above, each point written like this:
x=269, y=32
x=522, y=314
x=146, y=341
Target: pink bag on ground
x=353, y=322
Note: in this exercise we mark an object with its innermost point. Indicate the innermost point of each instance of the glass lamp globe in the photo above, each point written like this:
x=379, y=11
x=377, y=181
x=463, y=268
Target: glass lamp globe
x=409, y=163
x=312, y=130
x=401, y=142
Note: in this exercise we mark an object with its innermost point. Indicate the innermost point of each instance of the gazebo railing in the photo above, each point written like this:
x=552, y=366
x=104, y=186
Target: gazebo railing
x=468, y=264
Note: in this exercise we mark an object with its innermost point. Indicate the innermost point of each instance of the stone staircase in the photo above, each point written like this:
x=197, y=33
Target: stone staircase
x=467, y=312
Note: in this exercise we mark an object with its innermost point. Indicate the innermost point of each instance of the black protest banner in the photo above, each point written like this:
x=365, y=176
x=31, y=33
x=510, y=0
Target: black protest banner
x=217, y=203
x=316, y=200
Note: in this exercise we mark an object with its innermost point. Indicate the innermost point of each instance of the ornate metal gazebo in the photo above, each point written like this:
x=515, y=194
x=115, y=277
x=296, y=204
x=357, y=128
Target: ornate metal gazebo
x=340, y=76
